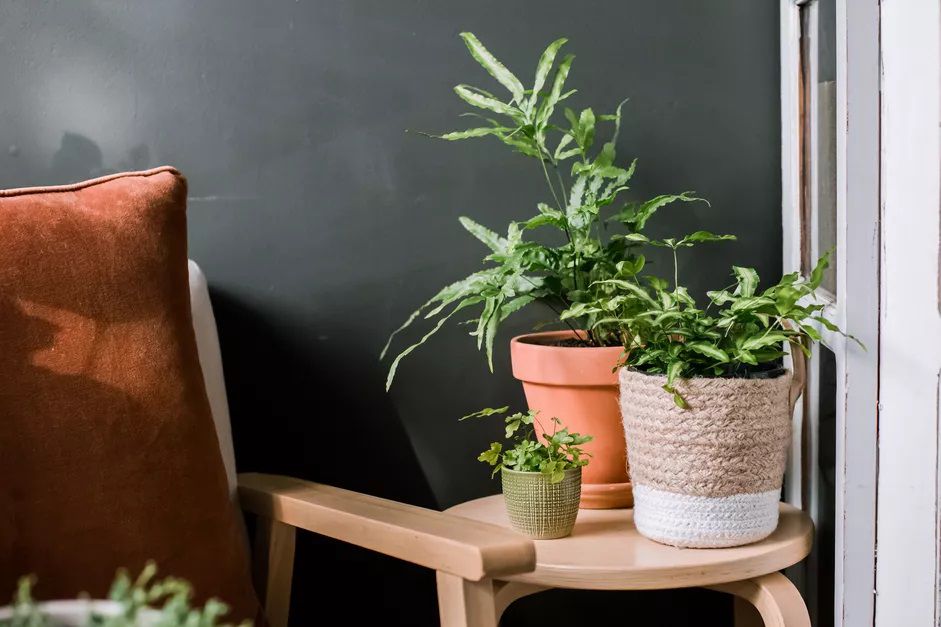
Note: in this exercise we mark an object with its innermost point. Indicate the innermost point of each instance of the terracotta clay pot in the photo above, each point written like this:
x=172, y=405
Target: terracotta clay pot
x=578, y=385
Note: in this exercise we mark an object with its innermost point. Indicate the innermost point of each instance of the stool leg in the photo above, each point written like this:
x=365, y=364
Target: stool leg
x=774, y=596
x=463, y=603
x=504, y=593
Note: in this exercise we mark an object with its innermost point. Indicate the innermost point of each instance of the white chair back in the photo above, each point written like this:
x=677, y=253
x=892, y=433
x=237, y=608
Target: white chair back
x=210, y=360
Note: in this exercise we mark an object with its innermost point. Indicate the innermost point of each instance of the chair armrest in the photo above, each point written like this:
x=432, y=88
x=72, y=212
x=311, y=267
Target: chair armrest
x=469, y=549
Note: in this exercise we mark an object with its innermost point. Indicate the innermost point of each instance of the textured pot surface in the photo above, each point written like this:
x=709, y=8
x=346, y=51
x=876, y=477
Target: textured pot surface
x=579, y=386
x=76, y=612
x=538, y=508
x=708, y=476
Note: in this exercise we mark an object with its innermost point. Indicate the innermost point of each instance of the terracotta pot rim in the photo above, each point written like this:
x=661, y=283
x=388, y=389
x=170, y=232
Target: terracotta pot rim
x=527, y=339
x=567, y=366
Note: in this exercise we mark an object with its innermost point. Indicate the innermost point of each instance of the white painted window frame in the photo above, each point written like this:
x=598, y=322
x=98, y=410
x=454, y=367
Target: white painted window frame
x=856, y=306
x=907, y=576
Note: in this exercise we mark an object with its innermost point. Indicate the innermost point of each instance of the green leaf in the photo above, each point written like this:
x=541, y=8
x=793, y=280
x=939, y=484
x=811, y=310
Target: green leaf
x=555, y=95
x=678, y=399
x=747, y=280
x=579, y=310
x=514, y=305
x=491, y=455
x=631, y=266
x=633, y=288
x=526, y=147
x=720, y=297
x=493, y=66
x=826, y=323
x=474, y=98
x=750, y=302
x=459, y=289
x=609, y=149
x=816, y=275
x=543, y=68
x=746, y=357
x=636, y=216
x=490, y=306
x=493, y=241
x=402, y=327
x=674, y=370
x=811, y=332
x=576, y=194
x=767, y=339
x=560, y=152
x=473, y=132
x=705, y=236
x=486, y=411
x=636, y=238
x=586, y=127
x=787, y=297
x=424, y=338
x=709, y=350
x=667, y=316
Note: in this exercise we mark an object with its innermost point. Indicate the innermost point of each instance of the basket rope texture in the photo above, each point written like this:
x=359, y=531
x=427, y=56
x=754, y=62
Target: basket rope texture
x=538, y=508
x=710, y=475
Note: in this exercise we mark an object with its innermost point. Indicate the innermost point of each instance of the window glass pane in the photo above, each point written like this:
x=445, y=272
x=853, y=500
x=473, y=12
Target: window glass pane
x=822, y=558
x=826, y=136
x=819, y=122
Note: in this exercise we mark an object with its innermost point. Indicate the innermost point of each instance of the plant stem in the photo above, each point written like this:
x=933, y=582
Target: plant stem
x=676, y=272
x=558, y=175
x=559, y=313
x=558, y=203
x=561, y=208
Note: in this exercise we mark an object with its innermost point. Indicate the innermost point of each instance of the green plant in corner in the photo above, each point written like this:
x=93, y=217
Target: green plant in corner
x=584, y=198
x=141, y=601
x=550, y=454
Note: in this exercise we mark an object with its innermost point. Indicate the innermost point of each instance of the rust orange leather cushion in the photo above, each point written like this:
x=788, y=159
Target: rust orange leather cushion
x=108, y=454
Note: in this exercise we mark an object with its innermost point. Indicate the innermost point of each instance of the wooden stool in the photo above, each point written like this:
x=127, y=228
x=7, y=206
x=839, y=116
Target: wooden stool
x=605, y=552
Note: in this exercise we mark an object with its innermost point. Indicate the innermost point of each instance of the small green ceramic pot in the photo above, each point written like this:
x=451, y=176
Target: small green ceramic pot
x=540, y=509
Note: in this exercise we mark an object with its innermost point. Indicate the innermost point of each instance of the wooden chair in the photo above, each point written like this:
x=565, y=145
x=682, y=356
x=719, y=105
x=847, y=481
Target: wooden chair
x=464, y=552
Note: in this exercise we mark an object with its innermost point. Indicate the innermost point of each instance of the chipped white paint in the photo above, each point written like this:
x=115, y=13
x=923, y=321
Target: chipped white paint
x=910, y=341
x=855, y=308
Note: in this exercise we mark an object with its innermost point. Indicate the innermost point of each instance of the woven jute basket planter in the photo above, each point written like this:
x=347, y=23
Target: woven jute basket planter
x=708, y=476
x=538, y=508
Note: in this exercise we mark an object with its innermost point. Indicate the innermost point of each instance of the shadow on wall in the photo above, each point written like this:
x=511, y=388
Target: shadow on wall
x=294, y=414
x=79, y=158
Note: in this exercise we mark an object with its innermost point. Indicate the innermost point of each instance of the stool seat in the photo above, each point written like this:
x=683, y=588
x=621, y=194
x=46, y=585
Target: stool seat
x=605, y=552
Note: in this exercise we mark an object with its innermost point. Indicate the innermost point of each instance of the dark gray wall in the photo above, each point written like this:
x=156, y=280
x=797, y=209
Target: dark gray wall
x=321, y=224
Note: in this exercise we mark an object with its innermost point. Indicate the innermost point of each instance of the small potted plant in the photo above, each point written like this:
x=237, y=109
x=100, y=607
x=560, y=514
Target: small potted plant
x=541, y=473
x=705, y=399
x=567, y=373
x=142, y=602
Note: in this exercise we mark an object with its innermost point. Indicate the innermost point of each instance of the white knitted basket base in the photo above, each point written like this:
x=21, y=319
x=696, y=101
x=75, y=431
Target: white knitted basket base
x=704, y=522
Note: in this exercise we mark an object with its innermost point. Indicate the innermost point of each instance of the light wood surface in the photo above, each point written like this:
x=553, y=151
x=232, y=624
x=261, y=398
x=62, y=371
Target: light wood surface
x=273, y=566
x=463, y=603
x=774, y=596
x=605, y=552
x=470, y=549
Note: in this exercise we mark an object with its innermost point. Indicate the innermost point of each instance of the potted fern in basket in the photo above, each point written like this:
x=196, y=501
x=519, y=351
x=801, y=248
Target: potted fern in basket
x=541, y=473
x=705, y=399
x=566, y=373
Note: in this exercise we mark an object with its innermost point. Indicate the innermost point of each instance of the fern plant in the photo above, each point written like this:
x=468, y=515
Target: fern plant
x=584, y=187
x=741, y=332
x=550, y=454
